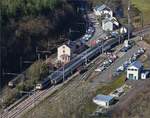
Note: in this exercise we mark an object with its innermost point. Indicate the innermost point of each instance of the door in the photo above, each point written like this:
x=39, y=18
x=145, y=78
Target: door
x=130, y=76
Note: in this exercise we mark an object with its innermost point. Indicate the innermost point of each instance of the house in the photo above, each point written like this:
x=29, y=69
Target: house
x=145, y=74
x=134, y=71
x=64, y=54
x=103, y=100
x=103, y=10
x=110, y=24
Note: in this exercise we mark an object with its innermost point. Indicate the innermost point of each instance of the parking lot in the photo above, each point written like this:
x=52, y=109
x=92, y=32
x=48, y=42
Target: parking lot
x=107, y=75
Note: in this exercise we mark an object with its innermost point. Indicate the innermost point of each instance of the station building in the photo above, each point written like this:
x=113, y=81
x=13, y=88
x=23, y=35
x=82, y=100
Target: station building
x=134, y=71
x=64, y=54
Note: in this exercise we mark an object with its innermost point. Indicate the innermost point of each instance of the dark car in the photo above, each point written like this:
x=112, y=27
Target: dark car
x=125, y=49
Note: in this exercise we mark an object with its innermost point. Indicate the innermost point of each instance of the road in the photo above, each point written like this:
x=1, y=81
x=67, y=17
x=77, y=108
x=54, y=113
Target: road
x=99, y=34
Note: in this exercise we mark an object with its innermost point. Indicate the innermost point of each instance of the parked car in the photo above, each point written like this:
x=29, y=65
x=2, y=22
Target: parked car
x=141, y=51
x=100, y=69
x=106, y=63
x=120, y=68
x=125, y=49
x=126, y=64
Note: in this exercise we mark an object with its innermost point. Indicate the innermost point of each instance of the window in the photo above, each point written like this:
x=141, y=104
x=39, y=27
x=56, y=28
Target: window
x=107, y=104
x=135, y=77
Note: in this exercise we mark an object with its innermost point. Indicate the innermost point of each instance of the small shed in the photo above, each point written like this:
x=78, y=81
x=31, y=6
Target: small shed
x=103, y=100
x=145, y=74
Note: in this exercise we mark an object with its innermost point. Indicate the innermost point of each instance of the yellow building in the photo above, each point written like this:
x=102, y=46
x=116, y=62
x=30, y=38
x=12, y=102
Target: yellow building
x=64, y=54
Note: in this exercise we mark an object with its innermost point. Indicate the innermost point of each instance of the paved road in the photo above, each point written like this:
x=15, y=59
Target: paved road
x=99, y=34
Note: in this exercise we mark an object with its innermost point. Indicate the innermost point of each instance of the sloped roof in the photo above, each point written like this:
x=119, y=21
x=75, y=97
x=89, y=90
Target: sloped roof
x=102, y=7
x=111, y=19
x=136, y=64
x=104, y=98
x=64, y=45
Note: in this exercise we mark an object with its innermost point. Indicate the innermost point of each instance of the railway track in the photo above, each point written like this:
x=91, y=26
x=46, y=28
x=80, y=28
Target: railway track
x=31, y=100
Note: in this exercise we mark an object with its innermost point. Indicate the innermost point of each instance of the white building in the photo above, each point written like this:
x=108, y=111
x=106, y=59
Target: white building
x=123, y=30
x=110, y=24
x=134, y=71
x=103, y=10
x=145, y=74
x=63, y=54
x=103, y=100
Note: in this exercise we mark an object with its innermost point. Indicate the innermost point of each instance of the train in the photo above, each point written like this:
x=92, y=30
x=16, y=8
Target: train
x=16, y=80
x=43, y=84
x=67, y=70
x=82, y=69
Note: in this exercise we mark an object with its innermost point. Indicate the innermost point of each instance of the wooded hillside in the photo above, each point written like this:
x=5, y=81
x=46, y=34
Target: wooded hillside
x=30, y=24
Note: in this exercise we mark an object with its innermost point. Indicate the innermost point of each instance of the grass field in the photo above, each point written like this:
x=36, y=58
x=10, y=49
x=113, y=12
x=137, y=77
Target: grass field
x=106, y=89
x=112, y=86
x=144, y=7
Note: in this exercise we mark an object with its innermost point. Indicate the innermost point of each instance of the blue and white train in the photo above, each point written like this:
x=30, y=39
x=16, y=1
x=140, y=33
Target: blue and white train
x=66, y=71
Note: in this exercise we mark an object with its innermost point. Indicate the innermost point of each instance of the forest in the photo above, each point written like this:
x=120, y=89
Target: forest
x=27, y=25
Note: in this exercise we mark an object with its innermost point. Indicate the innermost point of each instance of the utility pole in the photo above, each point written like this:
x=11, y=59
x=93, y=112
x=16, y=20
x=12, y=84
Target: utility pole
x=102, y=46
x=63, y=72
x=20, y=63
x=48, y=45
x=142, y=25
x=37, y=54
x=40, y=51
x=85, y=57
x=129, y=4
x=70, y=30
x=6, y=73
x=28, y=62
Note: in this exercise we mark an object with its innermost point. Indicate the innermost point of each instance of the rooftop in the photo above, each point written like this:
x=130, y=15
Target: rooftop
x=136, y=64
x=111, y=19
x=104, y=98
x=102, y=7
